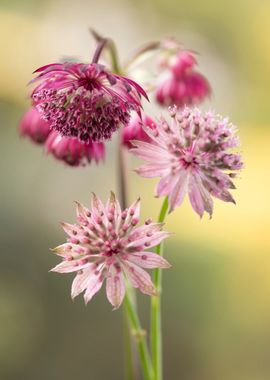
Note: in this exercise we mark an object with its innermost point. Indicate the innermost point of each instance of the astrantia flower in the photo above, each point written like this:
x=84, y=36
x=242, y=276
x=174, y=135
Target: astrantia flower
x=34, y=127
x=105, y=244
x=192, y=156
x=84, y=100
x=134, y=129
x=180, y=84
x=72, y=151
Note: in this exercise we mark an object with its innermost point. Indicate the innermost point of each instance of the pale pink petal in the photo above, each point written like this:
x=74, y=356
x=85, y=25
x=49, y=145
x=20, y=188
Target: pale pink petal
x=94, y=284
x=149, y=241
x=166, y=185
x=70, y=266
x=115, y=289
x=178, y=193
x=139, y=278
x=199, y=196
x=153, y=170
x=79, y=283
x=148, y=260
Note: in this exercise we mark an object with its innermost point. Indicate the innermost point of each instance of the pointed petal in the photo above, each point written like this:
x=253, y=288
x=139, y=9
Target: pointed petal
x=69, y=266
x=115, y=289
x=149, y=241
x=166, y=185
x=93, y=286
x=139, y=278
x=79, y=283
x=178, y=193
x=153, y=170
x=148, y=260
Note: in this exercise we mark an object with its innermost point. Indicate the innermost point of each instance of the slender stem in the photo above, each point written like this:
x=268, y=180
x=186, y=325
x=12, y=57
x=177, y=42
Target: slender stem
x=140, y=338
x=156, y=331
x=100, y=46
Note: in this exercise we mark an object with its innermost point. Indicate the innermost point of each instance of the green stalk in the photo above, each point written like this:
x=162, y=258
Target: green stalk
x=140, y=338
x=156, y=334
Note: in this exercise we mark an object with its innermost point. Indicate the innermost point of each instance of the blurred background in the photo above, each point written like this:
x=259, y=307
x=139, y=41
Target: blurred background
x=216, y=303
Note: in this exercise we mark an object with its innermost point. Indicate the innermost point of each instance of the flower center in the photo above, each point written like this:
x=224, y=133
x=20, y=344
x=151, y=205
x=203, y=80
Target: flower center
x=111, y=248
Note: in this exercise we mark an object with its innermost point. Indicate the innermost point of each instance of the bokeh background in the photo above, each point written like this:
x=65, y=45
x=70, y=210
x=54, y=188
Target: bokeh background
x=216, y=304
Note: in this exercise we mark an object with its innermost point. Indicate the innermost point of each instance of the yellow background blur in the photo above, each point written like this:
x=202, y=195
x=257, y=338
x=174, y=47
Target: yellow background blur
x=217, y=295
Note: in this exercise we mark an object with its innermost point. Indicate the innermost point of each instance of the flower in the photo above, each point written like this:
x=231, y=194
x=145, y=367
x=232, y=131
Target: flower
x=84, y=100
x=192, y=155
x=72, y=151
x=180, y=84
x=134, y=129
x=106, y=244
x=32, y=126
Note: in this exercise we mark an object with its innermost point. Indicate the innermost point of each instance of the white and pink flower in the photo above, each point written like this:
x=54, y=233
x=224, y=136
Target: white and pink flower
x=106, y=244
x=193, y=156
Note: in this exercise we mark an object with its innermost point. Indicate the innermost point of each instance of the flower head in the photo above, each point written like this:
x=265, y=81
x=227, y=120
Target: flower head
x=72, y=151
x=192, y=156
x=34, y=127
x=134, y=129
x=106, y=244
x=84, y=100
x=179, y=83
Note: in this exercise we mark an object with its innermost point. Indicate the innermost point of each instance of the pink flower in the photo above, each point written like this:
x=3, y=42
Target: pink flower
x=106, y=244
x=33, y=127
x=72, y=151
x=192, y=156
x=181, y=85
x=134, y=129
x=84, y=100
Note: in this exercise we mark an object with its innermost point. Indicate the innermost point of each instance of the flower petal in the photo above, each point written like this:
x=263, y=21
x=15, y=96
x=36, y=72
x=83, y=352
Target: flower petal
x=115, y=289
x=139, y=278
x=178, y=193
x=93, y=286
x=148, y=260
x=79, y=283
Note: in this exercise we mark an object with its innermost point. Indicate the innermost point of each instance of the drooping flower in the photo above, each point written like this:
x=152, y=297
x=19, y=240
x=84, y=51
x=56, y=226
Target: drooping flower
x=193, y=156
x=84, y=100
x=179, y=84
x=32, y=126
x=105, y=244
x=134, y=129
x=72, y=151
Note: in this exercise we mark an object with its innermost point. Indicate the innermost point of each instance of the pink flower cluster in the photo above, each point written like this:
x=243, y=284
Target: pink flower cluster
x=192, y=155
x=179, y=83
x=67, y=149
x=84, y=100
x=106, y=244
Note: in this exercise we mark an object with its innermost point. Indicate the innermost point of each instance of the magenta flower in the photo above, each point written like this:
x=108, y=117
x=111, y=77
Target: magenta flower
x=34, y=127
x=84, y=100
x=192, y=156
x=72, y=151
x=180, y=84
x=106, y=244
x=134, y=129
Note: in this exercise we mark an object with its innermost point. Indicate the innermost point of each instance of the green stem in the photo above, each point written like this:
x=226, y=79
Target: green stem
x=140, y=338
x=156, y=334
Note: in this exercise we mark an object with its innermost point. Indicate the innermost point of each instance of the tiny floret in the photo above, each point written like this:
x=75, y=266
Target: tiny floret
x=85, y=100
x=193, y=155
x=32, y=126
x=106, y=245
x=72, y=151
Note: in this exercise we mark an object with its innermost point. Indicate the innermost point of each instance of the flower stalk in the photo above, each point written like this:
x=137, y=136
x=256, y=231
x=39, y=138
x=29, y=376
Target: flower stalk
x=156, y=330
